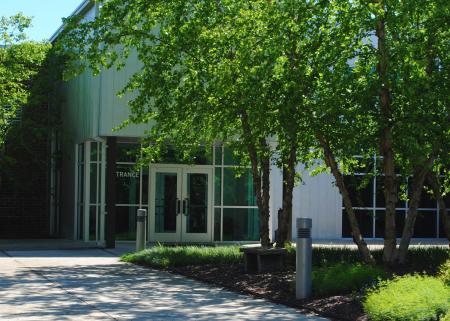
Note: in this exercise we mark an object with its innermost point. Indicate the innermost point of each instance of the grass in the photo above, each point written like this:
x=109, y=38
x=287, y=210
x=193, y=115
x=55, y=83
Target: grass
x=408, y=298
x=344, y=278
x=164, y=256
x=421, y=258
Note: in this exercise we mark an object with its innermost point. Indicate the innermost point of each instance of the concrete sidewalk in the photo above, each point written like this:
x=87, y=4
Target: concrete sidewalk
x=94, y=285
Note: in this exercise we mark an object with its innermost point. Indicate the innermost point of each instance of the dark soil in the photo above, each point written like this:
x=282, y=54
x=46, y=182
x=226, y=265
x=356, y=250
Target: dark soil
x=278, y=287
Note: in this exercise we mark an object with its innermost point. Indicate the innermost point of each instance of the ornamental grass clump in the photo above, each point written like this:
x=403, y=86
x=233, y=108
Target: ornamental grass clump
x=173, y=256
x=408, y=298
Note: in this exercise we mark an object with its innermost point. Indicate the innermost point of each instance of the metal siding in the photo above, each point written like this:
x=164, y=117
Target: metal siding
x=315, y=197
x=115, y=110
x=318, y=198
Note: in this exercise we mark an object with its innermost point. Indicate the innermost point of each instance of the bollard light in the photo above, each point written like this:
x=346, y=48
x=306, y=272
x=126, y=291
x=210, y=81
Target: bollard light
x=140, y=229
x=303, y=269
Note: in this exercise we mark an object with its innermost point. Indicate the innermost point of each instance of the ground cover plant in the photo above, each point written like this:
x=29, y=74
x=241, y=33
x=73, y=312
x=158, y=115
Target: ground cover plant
x=408, y=298
x=444, y=273
x=344, y=278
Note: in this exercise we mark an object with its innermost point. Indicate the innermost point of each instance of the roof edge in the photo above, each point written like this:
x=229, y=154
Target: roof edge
x=81, y=9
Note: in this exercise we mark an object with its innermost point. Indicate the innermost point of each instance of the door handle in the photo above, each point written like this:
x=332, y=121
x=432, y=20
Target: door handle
x=177, y=206
x=185, y=206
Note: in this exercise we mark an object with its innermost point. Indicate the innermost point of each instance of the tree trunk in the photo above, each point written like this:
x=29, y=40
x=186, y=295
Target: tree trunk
x=408, y=230
x=418, y=180
x=330, y=161
x=435, y=184
x=386, y=146
x=260, y=173
x=265, y=215
x=285, y=219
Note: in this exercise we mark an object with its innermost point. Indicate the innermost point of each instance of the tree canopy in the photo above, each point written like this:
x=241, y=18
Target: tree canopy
x=25, y=84
x=287, y=81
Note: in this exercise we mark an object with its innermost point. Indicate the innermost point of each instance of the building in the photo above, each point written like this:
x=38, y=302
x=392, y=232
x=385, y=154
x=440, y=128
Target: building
x=101, y=189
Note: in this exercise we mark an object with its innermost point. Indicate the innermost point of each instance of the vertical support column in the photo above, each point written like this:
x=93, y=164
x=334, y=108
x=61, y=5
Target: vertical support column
x=110, y=197
x=86, y=190
x=102, y=193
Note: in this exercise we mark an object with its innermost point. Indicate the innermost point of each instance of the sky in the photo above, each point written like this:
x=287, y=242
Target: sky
x=46, y=14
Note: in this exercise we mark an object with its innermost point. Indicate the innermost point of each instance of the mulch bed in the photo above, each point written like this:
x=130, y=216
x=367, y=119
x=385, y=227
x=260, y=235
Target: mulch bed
x=278, y=287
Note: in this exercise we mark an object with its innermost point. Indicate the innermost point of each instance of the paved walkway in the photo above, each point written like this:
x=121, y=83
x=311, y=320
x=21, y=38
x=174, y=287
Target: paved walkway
x=93, y=285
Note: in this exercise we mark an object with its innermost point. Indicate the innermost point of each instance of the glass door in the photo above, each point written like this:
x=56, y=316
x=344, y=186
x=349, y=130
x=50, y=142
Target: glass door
x=180, y=204
x=197, y=205
x=165, y=205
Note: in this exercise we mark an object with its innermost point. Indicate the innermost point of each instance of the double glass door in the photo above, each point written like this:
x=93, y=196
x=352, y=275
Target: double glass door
x=180, y=204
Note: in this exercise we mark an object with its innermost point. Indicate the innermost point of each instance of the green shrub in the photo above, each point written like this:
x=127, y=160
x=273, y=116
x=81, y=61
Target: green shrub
x=344, y=278
x=446, y=317
x=444, y=272
x=407, y=298
x=164, y=256
x=420, y=258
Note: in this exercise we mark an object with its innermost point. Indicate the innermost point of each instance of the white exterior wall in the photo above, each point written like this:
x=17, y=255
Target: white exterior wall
x=315, y=197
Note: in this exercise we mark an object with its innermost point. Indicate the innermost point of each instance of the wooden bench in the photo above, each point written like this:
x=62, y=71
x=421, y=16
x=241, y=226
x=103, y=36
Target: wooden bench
x=259, y=260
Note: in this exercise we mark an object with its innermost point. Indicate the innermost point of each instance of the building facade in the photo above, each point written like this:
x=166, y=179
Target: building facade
x=101, y=187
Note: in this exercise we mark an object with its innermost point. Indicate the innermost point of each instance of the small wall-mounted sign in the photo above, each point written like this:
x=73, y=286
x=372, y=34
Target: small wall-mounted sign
x=130, y=174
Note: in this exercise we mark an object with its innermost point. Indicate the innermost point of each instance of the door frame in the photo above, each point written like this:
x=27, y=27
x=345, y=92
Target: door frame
x=198, y=237
x=179, y=236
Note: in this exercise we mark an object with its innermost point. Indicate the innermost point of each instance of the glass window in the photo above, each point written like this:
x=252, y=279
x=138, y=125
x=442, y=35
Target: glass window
x=94, y=151
x=197, y=203
x=425, y=225
x=127, y=152
x=240, y=224
x=365, y=221
x=218, y=157
x=93, y=183
x=145, y=185
x=92, y=223
x=238, y=191
x=427, y=200
x=218, y=186
x=380, y=201
x=364, y=166
x=360, y=189
x=174, y=156
x=441, y=226
x=229, y=158
x=380, y=223
x=217, y=224
x=126, y=222
x=166, y=202
x=80, y=221
x=127, y=188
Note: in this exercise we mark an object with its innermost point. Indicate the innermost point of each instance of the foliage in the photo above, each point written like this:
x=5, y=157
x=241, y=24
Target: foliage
x=407, y=298
x=311, y=74
x=344, y=278
x=27, y=82
x=12, y=29
x=444, y=272
x=165, y=256
x=446, y=317
x=422, y=258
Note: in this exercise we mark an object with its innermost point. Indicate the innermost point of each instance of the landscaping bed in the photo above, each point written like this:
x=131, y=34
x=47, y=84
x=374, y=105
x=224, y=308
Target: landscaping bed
x=341, y=283
x=278, y=287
